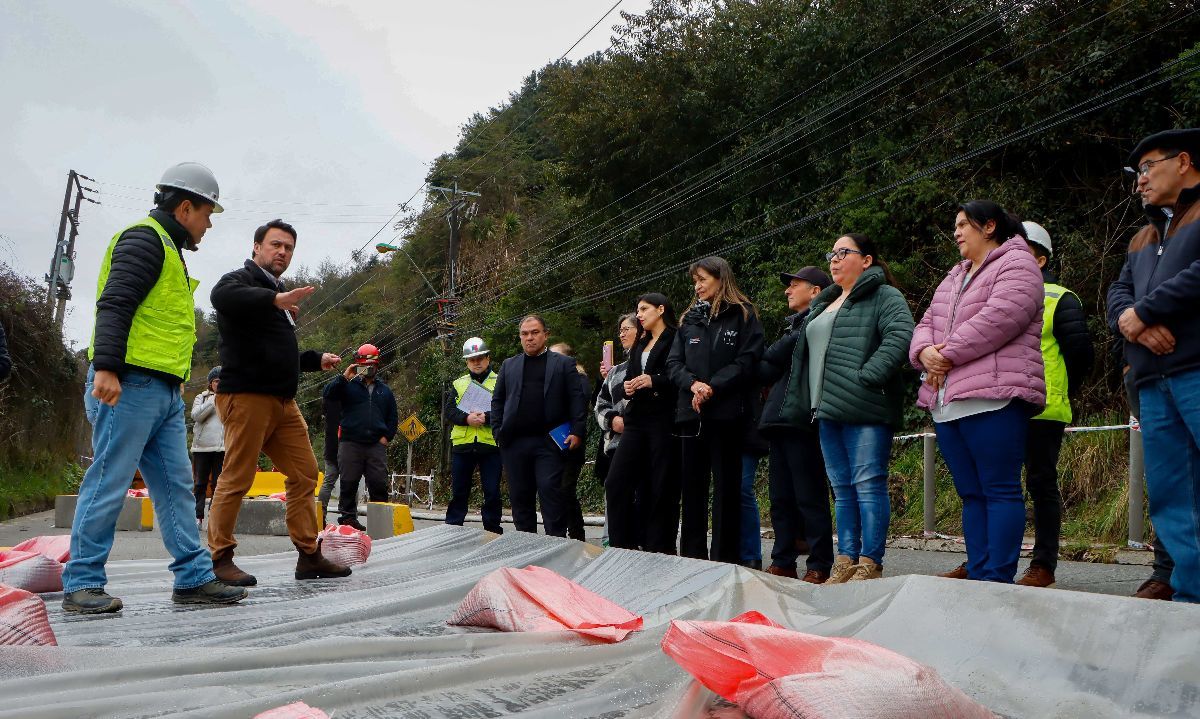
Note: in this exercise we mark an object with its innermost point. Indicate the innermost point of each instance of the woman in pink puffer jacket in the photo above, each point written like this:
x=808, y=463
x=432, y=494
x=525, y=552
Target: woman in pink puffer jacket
x=979, y=346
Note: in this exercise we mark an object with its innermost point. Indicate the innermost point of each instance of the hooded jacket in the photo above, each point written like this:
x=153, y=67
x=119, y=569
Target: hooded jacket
x=721, y=351
x=992, y=329
x=1161, y=282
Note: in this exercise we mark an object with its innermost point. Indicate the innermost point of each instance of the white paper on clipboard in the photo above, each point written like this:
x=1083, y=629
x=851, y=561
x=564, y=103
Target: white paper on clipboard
x=476, y=398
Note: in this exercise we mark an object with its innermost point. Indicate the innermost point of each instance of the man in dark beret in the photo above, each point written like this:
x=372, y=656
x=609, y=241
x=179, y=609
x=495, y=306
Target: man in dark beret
x=1154, y=306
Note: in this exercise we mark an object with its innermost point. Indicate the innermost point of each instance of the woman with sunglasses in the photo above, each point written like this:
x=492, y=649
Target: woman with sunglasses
x=979, y=344
x=713, y=362
x=642, y=490
x=845, y=376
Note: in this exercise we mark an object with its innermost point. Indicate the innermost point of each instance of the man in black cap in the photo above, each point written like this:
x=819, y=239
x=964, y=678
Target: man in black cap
x=797, y=485
x=1153, y=305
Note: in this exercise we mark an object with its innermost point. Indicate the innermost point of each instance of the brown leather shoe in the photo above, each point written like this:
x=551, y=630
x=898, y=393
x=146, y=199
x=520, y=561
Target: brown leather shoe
x=315, y=566
x=789, y=572
x=1037, y=576
x=812, y=576
x=1154, y=589
x=228, y=572
x=959, y=572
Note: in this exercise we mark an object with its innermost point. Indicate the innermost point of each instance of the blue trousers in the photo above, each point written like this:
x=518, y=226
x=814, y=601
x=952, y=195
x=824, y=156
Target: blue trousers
x=751, y=525
x=145, y=430
x=856, y=460
x=984, y=453
x=462, y=468
x=1171, y=434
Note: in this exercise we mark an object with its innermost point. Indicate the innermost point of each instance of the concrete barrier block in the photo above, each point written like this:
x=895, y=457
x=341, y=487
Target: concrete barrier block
x=137, y=515
x=387, y=519
x=267, y=516
x=64, y=510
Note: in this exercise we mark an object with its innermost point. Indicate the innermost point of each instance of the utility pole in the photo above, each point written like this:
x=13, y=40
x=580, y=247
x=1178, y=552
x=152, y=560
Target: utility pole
x=62, y=266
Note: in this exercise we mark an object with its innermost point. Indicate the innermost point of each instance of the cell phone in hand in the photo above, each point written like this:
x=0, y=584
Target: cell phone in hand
x=360, y=369
x=606, y=353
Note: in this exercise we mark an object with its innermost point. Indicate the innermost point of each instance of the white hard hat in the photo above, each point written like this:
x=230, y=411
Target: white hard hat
x=1038, y=236
x=194, y=178
x=475, y=347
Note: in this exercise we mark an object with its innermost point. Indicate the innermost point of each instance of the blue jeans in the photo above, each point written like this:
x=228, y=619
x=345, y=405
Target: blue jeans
x=1171, y=434
x=856, y=460
x=145, y=431
x=984, y=453
x=751, y=526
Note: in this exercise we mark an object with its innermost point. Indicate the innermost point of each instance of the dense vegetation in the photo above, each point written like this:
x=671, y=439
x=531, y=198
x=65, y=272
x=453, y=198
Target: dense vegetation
x=761, y=131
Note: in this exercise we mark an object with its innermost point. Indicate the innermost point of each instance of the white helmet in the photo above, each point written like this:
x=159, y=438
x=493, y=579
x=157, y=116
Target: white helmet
x=475, y=347
x=1038, y=236
x=194, y=178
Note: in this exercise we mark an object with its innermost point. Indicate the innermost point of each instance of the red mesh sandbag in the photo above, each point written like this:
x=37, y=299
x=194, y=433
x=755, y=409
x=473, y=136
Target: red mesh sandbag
x=535, y=599
x=137, y=492
x=57, y=547
x=344, y=544
x=23, y=619
x=281, y=496
x=30, y=571
x=296, y=710
x=776, y=673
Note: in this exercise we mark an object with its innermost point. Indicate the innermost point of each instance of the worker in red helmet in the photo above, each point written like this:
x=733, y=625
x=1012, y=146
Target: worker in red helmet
x=369, y=421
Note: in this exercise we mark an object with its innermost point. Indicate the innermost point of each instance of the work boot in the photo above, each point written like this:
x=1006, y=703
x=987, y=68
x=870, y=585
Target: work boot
x=959, y=572
x=1154, y=589
x=315, y=566
x=789, y=572
x=352, y=522
x=843, y=569
x=214, y=592
x=1037, y=576
x=90, y=601
x=228, y=572
x=866, y=569
x=812, y=576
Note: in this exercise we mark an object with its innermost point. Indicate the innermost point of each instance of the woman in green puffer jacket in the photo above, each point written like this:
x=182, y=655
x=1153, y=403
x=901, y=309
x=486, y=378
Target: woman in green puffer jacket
x=845, y=376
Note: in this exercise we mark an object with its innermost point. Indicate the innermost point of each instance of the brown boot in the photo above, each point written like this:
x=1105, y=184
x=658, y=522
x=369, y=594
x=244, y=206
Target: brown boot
x=959, y=572
x=315, y=566
x=228, y=572
x=1037, y=576
x=782, y=571
x=1154, y=589
x=843, y=569
x=812, y=576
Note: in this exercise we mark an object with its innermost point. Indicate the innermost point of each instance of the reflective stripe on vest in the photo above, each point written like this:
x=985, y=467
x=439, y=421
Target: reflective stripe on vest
x=1058, y=405
x=465, y=434
x=163, y=330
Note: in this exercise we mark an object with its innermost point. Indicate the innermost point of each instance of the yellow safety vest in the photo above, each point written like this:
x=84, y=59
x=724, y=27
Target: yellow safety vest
x=163, y=330
x=465, y=434
x=1058, y=405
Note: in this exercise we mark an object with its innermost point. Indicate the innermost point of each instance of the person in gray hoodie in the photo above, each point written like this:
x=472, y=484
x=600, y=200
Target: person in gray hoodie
x=208, y=443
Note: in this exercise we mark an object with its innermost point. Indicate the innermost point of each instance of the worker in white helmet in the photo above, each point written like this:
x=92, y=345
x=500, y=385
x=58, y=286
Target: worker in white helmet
x=471, y=439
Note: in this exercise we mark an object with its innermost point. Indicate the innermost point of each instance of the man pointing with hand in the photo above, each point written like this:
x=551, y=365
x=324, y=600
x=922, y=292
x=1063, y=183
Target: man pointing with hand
x=260, y=371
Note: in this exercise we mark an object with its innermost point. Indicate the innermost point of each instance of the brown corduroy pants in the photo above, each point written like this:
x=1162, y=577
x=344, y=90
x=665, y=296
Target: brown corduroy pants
x=273, y=425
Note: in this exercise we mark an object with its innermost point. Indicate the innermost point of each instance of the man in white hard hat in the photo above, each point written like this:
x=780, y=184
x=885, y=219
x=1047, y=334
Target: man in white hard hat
x=140, y=353
x=471, y=439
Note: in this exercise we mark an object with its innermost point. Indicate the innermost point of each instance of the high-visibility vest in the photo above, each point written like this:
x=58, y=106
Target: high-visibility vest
x=1058, y=405
x=163, y=330
x=466, y=434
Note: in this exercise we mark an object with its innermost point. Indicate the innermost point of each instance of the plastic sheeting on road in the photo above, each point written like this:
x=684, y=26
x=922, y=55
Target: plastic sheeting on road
x=376, y=644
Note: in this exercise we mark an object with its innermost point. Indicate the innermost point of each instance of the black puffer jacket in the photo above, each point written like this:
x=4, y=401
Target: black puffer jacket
x=721, y=351
x=137, y=261
x=772, y=371
x=257, y=346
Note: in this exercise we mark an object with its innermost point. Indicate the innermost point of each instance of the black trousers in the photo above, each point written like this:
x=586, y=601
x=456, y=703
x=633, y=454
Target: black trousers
x=1042, y=445
x=361, y=461
x=535, y=470
x=799, y=492
x=713, y=459
x=572, y=468
x=642, y=491
x=206, y=467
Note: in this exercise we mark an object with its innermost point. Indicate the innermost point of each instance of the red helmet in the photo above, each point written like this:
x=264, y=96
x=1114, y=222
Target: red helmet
x=367, y=354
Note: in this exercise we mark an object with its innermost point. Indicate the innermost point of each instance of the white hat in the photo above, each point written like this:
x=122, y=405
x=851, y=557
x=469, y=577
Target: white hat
x=1038, y=236
x=475, y=347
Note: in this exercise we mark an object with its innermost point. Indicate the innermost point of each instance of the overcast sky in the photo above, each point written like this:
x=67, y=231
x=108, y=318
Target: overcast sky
x=327, y=114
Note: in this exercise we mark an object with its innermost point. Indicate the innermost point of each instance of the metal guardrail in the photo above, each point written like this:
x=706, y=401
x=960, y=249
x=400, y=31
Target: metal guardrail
x=1137, y=477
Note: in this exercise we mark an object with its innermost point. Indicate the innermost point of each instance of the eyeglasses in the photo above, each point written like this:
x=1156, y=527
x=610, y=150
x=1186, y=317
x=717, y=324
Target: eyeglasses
x=1144, y=168
x=623, y=330
x=840, y=255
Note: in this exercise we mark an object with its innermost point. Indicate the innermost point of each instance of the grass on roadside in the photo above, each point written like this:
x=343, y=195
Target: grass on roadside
x=32, y=485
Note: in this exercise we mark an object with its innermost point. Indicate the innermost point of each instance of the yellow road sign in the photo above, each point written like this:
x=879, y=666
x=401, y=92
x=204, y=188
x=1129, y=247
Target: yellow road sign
x=412, y=428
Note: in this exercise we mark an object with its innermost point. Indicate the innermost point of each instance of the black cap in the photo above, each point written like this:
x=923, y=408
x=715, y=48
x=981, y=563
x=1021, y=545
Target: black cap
x=1187, y=139
x=808, y=274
